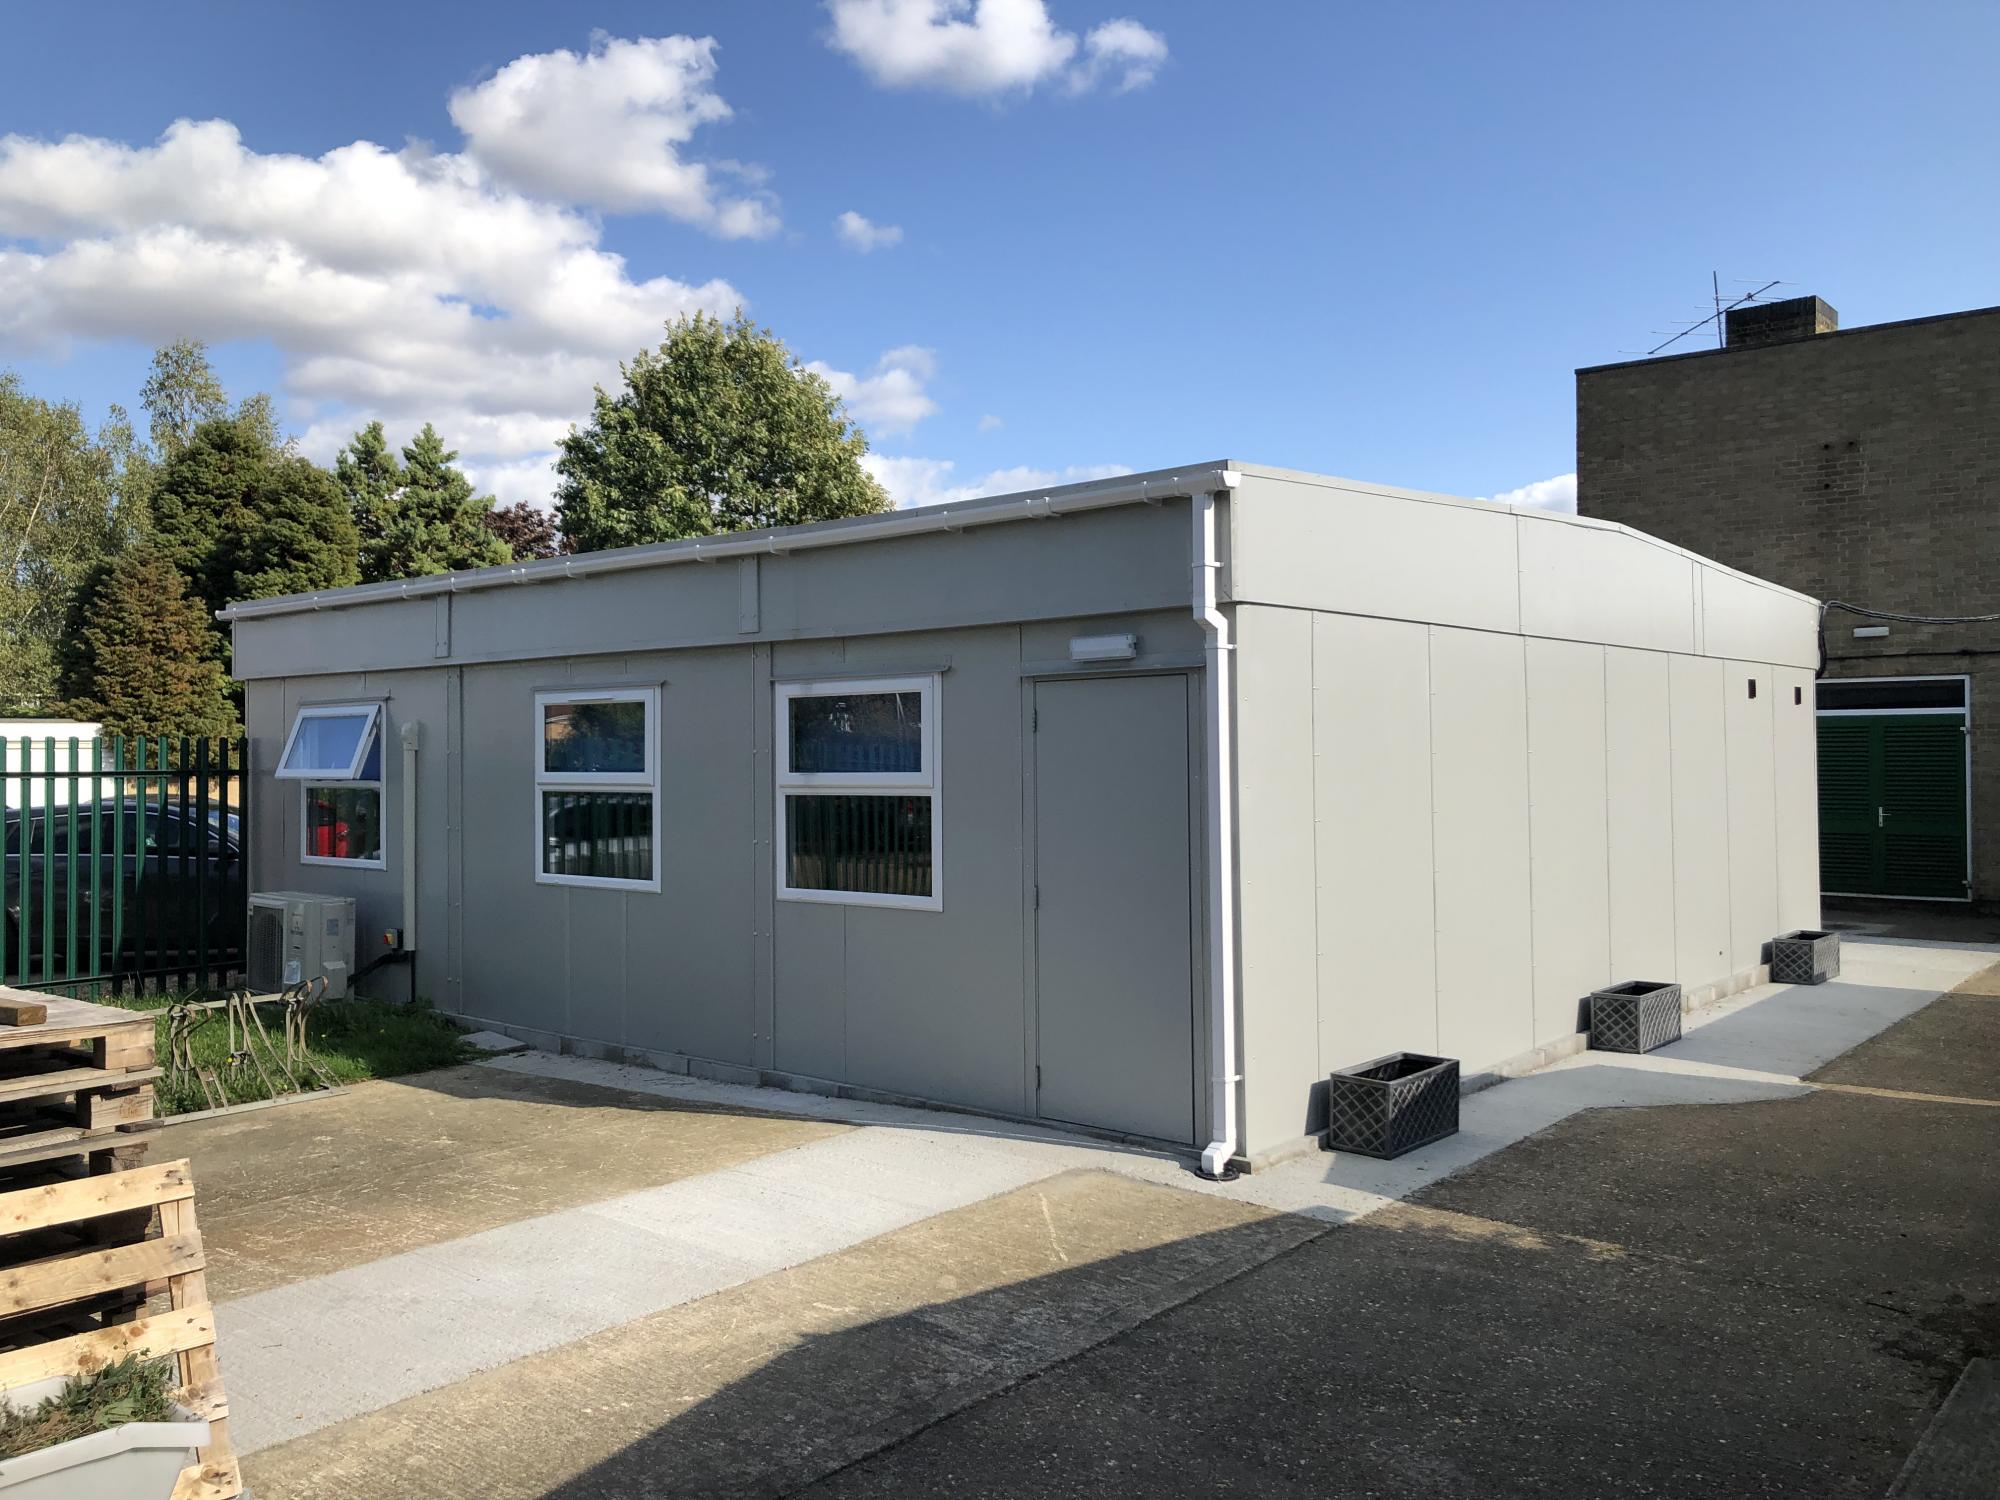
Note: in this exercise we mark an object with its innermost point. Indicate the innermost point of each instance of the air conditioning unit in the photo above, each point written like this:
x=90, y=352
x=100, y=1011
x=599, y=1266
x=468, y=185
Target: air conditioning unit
x=295, y=937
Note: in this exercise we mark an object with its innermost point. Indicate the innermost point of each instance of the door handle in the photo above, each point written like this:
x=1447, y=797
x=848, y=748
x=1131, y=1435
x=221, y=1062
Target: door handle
x=1881, y=816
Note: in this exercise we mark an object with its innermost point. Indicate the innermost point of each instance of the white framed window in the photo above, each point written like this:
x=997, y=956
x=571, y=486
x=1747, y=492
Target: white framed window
x=330, y=742
x=597, y=804
x=858, y=792
x=335, y=751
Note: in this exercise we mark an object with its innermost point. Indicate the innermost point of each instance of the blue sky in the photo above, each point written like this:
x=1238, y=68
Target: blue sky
x=1370, y=240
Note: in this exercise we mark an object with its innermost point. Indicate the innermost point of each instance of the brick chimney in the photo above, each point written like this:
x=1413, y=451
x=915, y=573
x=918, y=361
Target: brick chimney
x=1759, y=323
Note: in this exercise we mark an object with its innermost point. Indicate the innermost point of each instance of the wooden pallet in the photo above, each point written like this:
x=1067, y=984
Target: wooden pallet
x=78, y=1085
x=85, y=1277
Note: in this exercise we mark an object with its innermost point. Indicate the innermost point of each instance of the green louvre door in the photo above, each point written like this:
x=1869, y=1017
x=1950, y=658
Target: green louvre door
x=1892, y=804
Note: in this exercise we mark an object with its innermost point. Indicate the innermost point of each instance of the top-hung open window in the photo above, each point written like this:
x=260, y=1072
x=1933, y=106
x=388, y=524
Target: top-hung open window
x=334, y=742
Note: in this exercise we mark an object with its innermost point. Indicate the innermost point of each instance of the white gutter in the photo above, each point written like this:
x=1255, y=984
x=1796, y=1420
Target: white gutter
x=781, y=540
x=1221, y=778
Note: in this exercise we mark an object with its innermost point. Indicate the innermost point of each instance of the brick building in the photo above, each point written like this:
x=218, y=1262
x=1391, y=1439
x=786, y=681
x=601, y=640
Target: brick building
x=1863, y=466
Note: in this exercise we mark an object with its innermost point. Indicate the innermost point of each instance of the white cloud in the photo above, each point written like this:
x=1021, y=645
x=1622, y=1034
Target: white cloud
x=605, y=128
x=530, y=479
x=891, y=398
x=927, y=481
x=990, y=423
x=858, y=233
x=988, y=47
x=405, y=285
x=1125, y=48
x=1557, y=494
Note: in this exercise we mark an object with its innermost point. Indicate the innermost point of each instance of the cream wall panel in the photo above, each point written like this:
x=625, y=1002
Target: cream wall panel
x=1569, y=839
x=1371, y=735
x=1479, y=759
x=1275, y=844
x=1753, y=829
x=1701, y=863
x=1312, y=545
x=1589, y=583
x=1795, y=776
x=1752, y=622
x=1638, y=770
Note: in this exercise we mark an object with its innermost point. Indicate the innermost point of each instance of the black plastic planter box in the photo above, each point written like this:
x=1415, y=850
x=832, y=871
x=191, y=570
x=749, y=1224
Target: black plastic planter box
x=1392, y=1105
x=1636, y=1016
x=1805, y=957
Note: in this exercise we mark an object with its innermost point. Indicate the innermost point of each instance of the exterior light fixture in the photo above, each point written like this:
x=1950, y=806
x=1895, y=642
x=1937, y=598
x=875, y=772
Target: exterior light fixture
x=1103, y=647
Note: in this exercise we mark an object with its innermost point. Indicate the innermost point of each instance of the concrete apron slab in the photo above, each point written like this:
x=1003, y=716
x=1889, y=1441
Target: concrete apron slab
x=329, y=1349
x=770, y=1384
x=1755, y=1045
x=394, y=1165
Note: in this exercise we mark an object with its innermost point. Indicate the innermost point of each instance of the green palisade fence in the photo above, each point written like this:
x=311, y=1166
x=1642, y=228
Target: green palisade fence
x=124, y=863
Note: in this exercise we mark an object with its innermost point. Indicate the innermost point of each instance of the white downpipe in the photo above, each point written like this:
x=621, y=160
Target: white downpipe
x=412, y=736
x=1221, y=783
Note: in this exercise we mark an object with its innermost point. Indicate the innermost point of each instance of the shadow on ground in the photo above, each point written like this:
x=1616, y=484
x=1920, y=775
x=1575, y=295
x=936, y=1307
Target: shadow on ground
x=1769, y=1299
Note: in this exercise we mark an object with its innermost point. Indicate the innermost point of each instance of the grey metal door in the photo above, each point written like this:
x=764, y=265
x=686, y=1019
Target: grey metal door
x=1114, y=947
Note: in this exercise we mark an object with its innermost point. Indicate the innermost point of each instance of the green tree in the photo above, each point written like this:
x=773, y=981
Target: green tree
x=244, y=520
x=61, y=517
x=154, y=663
x=181, y=392
x=719, y=429
x=434, y=523
x=369, y=476
x=527, y=531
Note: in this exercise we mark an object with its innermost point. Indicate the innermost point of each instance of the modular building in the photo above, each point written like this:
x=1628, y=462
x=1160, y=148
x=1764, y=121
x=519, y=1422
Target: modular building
x=1135, y=805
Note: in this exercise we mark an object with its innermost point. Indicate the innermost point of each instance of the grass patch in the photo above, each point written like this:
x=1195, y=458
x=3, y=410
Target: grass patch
x=128, y=1391
x=354, y=1040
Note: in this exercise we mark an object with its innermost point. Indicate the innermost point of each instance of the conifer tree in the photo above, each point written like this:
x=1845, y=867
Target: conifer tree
x=151, y=663
x=435, y=524
x=369, y=476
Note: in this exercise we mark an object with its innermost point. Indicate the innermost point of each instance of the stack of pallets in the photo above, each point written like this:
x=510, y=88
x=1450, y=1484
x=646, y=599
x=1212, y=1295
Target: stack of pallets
x=88, y=1235
x=59, y=1276
x=76, y=1092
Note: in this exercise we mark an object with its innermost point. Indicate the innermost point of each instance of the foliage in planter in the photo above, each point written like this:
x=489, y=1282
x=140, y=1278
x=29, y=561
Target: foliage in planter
x=130, y=1390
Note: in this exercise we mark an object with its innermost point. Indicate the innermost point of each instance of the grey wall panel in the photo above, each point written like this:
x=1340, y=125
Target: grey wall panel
x=396, y=633
x=809, y=977
x=265, y=720
x=1748, y=621
x=1568, y=831
x=1795, y=775
x=1638, y=771
x=595, y=960
x=935, y=1001
x=1162, y=633
x=1479, y=759
x=1589, y=583
x=1376, y=919
x=690, y=957
x=1131, y=558
x=516, y=967
x=1125, y=559
x=1700, y=796
x=1325, y=545
x=1278, y=962
x=1753, y=828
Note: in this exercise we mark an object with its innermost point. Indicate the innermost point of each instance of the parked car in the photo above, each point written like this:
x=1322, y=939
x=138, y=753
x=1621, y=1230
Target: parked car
x=167, y=884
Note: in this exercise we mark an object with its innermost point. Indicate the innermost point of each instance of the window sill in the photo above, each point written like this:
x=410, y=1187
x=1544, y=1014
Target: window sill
x=863, y=898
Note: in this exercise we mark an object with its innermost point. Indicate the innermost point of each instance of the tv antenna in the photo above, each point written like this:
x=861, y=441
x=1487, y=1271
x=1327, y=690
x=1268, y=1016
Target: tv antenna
x=1716, y=316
